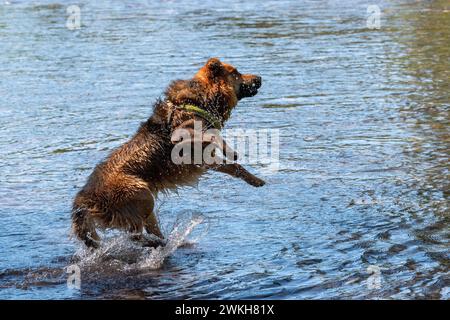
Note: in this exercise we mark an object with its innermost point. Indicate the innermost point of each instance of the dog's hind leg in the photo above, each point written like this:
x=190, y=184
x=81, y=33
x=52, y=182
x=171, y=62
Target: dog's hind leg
x=84, y=228
x=136, y=215
x=152, y=225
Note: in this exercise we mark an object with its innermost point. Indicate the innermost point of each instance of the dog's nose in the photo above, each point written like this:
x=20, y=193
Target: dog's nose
x=258, y=81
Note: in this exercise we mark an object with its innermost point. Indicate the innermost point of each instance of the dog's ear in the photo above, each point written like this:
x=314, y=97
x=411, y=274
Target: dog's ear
x=214, y=67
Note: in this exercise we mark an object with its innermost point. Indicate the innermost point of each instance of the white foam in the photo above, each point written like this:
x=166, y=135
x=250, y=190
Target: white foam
x=120, y=252
x=177, y=237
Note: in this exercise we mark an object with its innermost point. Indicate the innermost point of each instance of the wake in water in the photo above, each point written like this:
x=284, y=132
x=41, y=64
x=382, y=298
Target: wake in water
x=120, y=252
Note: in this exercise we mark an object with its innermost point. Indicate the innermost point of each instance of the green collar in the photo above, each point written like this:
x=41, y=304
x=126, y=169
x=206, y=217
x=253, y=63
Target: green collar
x=216, y=123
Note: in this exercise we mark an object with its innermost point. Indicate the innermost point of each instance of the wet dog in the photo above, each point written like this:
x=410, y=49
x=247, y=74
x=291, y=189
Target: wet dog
x=120, y=193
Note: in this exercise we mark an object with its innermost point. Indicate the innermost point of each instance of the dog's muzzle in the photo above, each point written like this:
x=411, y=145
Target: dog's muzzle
x=250, y=88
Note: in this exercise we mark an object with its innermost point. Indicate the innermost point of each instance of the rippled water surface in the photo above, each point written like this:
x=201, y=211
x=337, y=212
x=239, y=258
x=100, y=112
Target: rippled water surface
x=358, y=209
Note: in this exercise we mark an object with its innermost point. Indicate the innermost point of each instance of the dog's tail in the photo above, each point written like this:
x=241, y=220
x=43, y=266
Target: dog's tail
x=83, y=227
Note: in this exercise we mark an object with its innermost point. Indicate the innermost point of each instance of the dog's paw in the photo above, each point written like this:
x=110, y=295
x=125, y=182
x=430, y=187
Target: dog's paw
x=148, y=240
x=256, y=182
x=154, y=243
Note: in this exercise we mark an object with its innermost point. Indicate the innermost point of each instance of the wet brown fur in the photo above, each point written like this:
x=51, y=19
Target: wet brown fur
x=121, y=190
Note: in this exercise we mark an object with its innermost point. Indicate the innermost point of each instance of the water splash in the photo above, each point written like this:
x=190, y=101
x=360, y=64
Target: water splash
x=120, y=252
x=177, y=238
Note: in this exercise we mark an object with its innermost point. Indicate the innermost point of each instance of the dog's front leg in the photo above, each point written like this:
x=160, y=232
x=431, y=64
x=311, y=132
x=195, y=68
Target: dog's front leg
x=187, y=135
x=216, y=139
x=238, y=171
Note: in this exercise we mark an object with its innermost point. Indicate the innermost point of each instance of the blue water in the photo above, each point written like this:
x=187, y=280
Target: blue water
x=364, y=156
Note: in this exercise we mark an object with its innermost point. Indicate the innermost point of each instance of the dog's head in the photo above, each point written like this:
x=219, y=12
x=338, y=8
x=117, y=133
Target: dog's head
x=217, y=86
x=215, y=72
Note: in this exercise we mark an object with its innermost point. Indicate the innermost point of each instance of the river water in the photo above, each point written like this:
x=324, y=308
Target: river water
x=358, y=209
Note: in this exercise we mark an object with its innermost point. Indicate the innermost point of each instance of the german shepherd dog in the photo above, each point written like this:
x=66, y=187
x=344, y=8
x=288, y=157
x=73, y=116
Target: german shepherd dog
x=120, y=193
